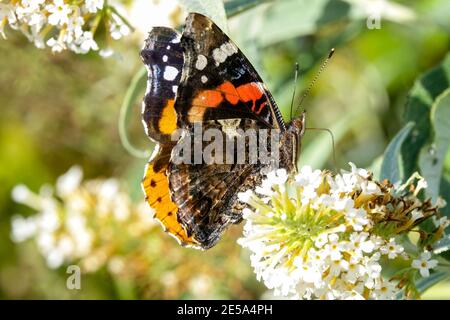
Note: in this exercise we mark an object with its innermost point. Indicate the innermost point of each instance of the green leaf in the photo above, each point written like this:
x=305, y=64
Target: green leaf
x=292, y=18
x=426, y=283
x=442, y=245
x=375, y=167
x=444, y=192
x=213, y=9
x=235, y=7
x=432, y=156
x=137, y=85
x=392, y=166
x=421, y=98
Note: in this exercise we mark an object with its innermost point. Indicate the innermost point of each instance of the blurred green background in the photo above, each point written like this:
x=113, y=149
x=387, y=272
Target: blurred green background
x=63, y=109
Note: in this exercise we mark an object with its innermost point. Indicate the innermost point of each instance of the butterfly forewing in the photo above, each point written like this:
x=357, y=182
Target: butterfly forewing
x=218, y=81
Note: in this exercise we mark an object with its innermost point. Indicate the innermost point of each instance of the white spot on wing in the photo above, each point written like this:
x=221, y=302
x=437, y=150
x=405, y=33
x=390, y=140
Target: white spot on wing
x=201, y=62
x=175, y=89
x=164, y=58
x=204, y=79
x=221, y=54
x=170, y=73
x=229, y=48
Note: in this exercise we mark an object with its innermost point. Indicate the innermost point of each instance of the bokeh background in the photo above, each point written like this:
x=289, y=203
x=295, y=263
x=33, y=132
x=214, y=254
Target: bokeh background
x=61, y=110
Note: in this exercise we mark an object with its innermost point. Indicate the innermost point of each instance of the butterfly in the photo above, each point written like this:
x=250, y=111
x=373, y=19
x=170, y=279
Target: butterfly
x=200, y=77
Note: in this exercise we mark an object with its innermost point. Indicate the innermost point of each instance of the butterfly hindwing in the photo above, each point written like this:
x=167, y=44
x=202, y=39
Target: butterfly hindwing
x=156, y=188
x=206, y=194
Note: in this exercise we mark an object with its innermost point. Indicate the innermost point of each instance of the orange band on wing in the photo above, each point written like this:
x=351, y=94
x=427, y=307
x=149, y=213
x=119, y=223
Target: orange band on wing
x=250, y=92
x=226, y=91
x=208, y=99
x=229, y=90
x=168, y=121
x=156, y=188
x=205, y=99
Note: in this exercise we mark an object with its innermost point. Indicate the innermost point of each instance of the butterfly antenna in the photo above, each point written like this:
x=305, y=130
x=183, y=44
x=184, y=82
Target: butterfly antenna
x=295, y=87
x=311, y=85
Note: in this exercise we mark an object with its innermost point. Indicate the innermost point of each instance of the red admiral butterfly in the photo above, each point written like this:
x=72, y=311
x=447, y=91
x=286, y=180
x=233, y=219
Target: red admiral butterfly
x=201, y=77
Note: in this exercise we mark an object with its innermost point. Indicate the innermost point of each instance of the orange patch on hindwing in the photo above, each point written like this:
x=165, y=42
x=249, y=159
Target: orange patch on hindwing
x=168, y=121
x=156, y=188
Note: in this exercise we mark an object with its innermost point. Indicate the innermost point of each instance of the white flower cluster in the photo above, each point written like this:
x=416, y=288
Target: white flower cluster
x=313, y=238
x=63, y=24
x=77, y=220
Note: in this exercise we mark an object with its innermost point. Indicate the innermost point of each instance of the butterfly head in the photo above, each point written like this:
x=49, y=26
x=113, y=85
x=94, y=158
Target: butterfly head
x=297, y=125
